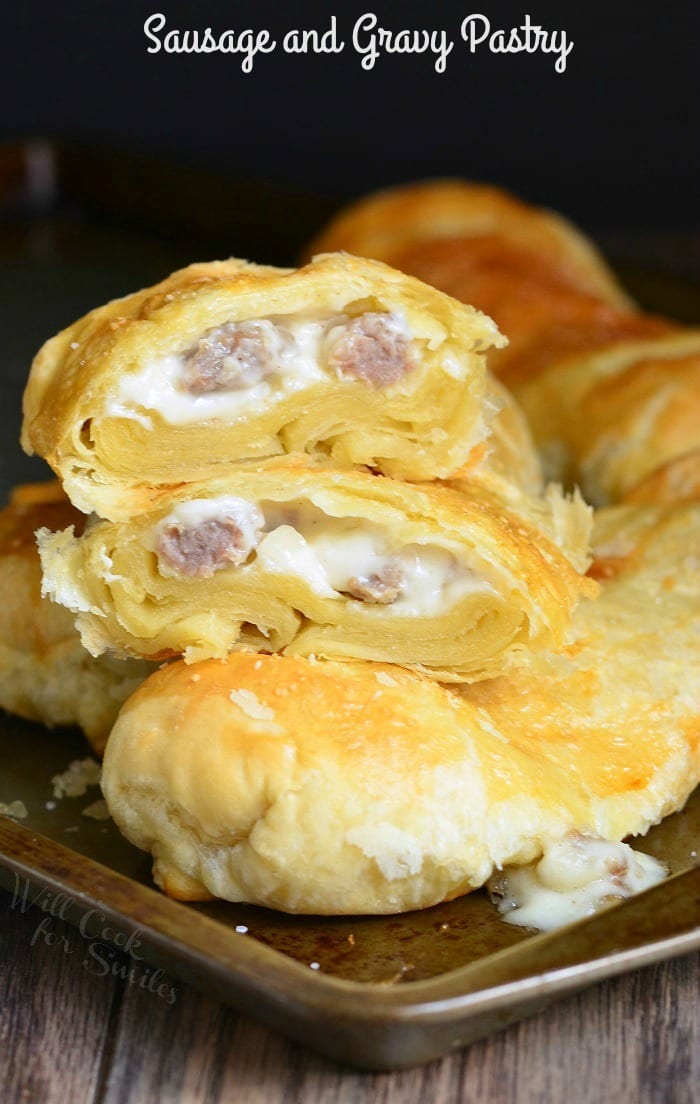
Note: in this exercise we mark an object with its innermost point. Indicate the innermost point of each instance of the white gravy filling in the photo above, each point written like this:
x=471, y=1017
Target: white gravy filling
x=296, y=351
x=337, y=557
x=575, y=877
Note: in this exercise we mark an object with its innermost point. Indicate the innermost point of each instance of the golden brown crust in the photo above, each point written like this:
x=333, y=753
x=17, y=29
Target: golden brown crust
x=676, y=481
x=506, y=544
x=610, y=419
x=390, y=224
x=45, y=673
x=340, y=788
x=111, y=451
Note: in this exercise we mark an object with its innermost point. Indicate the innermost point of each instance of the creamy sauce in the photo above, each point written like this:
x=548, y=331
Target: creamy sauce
x=297, y=346
x=575, y=877
x=330, y=553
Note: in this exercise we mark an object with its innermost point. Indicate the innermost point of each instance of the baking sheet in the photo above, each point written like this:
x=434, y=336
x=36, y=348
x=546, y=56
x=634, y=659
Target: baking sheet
x=402, y=991
x=380, y=992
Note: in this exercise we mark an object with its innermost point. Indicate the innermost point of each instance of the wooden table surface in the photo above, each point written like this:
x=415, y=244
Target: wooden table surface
x=71, y=1033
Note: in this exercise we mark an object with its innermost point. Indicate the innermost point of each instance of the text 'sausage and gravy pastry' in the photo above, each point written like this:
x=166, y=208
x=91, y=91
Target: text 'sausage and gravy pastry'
x=227, y=361
x=45, y=673
x=293, y=554
x=325, y=787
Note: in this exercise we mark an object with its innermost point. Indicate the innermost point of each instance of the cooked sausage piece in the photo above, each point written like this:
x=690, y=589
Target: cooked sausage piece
x=230, y=358
x=371, y=347
x=200, y=550
x=380, y=588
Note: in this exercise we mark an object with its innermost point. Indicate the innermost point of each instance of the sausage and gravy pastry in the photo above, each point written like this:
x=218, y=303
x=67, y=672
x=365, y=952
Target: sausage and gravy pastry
x=229, y=361
x=45, y=673
x=295, y=555
x=325, y=787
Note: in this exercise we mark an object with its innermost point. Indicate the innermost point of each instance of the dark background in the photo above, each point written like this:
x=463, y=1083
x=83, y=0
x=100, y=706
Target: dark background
x=613, y=141
x=146, y=162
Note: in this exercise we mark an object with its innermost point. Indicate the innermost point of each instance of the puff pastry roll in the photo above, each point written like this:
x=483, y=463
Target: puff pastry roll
x=227, y=361
x=359, y=788
x=676, y=481
x=45, y=673
x=609, y=419
x=295, y=555
x=530, y=270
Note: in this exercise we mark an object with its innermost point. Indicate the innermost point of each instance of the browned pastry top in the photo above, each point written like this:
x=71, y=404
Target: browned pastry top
x=533, y=297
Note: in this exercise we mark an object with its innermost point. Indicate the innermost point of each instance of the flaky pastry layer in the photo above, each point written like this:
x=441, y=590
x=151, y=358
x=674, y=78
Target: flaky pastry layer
x=296, y=555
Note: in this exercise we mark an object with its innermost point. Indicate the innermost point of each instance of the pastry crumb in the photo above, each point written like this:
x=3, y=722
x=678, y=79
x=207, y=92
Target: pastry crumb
x=386, y=680
x=97, y=811
x=251, y=706
x=74, y=781
x=15, y=809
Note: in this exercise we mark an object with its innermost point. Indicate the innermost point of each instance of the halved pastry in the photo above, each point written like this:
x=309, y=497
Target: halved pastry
x=45, y=673
x=295, y=555
x=321, y=787
x=226, y=361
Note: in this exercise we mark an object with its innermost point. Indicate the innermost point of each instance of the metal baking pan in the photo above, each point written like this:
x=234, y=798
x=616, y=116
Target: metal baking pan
x=375, y=992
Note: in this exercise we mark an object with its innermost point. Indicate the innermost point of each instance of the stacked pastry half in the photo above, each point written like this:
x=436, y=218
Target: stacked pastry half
x=385, y=671
x=152, y=410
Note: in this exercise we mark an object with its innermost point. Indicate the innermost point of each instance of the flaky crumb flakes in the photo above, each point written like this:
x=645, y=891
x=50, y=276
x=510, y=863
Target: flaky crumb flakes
x=74, y=781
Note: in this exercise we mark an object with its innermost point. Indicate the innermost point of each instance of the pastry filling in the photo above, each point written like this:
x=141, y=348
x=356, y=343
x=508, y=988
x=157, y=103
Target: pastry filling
x=199, y=538
x=232, y=358
x=575, y=877
x=337, y=557
x=236, y=367
x=372, y=347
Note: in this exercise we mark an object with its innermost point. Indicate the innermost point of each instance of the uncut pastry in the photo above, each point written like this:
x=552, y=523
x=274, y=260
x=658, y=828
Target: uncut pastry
x=45, y=673
x=676, y=481
x=321, y=787
x=295, y=555
x=227, y=361
x=609, y=419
